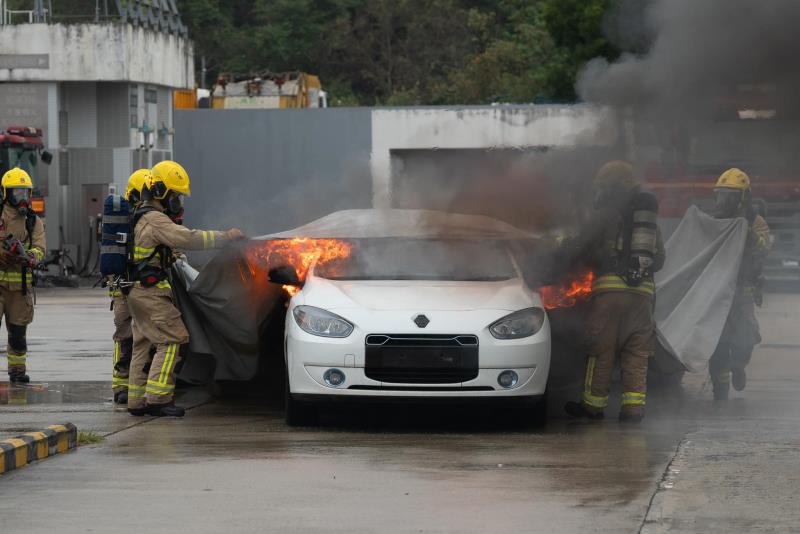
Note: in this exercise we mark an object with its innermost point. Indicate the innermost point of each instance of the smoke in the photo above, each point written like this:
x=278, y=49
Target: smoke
x=700, y=53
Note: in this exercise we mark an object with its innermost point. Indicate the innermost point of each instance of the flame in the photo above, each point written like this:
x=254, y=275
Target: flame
x=569, y=293
x=300, y=253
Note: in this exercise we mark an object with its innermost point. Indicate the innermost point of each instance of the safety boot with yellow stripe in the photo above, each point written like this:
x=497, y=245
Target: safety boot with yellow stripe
x=18, y=375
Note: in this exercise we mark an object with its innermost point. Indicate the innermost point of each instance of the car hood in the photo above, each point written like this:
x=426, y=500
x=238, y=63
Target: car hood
x=385, y=295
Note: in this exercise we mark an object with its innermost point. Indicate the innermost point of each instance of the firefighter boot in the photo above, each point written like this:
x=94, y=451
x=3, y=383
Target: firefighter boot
x=165, y=410
x=721, y=389
x=16, y=375
x=138, y=412
x=738, y=378
x=121, y=397
x=630, y=417
x=578, y=410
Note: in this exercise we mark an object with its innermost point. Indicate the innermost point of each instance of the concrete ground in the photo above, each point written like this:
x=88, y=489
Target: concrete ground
x=232, y=465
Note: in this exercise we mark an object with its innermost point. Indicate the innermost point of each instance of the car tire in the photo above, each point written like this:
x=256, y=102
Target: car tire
x=299, y=413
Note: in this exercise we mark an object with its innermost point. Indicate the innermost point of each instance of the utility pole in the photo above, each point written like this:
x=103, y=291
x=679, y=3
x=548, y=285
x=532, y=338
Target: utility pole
x=203, y=71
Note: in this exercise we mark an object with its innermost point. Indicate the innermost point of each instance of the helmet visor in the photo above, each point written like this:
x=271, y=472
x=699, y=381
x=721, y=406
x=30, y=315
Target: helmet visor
x=175, y=202
x=19, y=196
x=727, y=201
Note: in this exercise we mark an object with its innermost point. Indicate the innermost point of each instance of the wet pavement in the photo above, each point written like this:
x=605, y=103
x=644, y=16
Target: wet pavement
x=232, y=465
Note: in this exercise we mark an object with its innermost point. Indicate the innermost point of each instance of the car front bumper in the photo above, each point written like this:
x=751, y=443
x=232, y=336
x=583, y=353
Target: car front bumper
x=309, y=357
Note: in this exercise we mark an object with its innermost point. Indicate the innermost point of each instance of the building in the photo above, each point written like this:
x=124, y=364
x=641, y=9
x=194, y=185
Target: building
x=101, y=91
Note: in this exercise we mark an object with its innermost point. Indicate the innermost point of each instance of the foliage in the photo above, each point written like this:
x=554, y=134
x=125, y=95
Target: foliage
x=398, y=52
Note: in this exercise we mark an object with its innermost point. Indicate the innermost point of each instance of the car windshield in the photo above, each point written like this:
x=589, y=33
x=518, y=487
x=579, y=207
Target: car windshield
x=421, y=259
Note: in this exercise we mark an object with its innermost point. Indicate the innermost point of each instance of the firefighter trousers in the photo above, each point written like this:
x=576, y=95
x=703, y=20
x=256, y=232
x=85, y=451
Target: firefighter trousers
x=739, y=336
x=17, y=310
x=123, y=341
x=620, y=322
x=156, y=322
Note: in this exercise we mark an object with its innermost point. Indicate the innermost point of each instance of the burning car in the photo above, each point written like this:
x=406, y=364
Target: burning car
x=420, y=305
x=371, y=305
x=419, y=317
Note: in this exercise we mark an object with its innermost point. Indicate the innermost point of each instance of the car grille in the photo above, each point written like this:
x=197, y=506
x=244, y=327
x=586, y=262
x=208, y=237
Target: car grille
x=421, y=359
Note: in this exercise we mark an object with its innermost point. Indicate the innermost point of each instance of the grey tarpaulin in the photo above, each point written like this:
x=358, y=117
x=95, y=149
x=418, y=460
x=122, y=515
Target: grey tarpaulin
x=226, y=310
x=695, y=289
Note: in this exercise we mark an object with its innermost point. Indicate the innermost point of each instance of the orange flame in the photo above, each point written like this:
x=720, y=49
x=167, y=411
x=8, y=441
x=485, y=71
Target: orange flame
x=300, y=253
x=569, y=293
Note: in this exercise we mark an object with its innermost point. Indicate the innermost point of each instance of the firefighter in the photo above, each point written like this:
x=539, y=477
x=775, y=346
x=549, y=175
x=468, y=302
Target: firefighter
x=156, y=320
x=123, y=334
x=622, y=244
x=23, y=246
x=741, y=332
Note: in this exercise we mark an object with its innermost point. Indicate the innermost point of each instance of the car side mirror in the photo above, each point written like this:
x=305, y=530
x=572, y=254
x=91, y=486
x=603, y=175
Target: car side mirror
x=47, y=157
x=285, y=275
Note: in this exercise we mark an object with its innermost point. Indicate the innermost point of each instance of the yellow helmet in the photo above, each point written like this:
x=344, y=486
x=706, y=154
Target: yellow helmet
x=734, y=179
x=616, y=173
x=136, y=182
x=169, y=176
x=14, y=179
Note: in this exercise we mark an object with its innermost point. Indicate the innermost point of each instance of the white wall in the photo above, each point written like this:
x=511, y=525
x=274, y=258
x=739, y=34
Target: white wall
x=100, y=52
x=481, y=127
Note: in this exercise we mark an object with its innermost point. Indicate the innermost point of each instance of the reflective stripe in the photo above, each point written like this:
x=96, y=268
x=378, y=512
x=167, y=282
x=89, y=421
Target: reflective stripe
x=205, y=239
x=17, y=359
x=587, y=381
x=212, y=238
x=166, y=367
x=612, y=281
x=136, y=391
x=594, y=401
x=11, y=276
x=164, y=284
x=588, y=398
x=631, y=398
x=157, y=389
x=114, y=292
x=112, y=249
x=723, y=378
x=116, y=219
x=119, y=382
x=645, y=216
x=116, y=353
x=142, y=253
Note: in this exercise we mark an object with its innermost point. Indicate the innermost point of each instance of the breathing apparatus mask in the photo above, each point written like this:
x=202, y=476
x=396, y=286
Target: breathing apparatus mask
x=173, y=205
x=727, y=202
x=20, y=198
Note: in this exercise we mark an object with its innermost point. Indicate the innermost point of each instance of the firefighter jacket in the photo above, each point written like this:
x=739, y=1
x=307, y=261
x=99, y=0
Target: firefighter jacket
x=12, y=223
x=156, y=235
x=603, y=243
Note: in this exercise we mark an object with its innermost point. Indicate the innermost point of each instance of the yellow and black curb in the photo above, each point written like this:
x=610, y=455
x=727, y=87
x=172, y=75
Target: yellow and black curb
x=22, y=450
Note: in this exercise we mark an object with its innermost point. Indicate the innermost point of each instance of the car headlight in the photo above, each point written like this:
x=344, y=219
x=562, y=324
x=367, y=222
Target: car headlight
x=523, y=323
x=320, y=322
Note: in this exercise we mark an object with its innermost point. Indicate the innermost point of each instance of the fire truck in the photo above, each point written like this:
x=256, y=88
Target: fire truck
x=22, y=146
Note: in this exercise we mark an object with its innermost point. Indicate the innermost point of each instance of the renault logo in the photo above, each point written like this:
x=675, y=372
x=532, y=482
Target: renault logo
x=421, y=321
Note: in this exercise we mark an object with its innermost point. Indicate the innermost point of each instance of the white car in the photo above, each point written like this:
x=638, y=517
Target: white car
x=416, y=319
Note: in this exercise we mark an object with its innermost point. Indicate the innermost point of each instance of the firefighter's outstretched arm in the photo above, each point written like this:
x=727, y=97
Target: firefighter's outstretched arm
x=179, y=237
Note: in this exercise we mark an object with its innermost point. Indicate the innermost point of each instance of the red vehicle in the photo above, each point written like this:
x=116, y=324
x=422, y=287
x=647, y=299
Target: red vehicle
x=22, y=146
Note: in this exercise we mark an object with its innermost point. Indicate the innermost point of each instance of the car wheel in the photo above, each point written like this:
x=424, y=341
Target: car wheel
x=299, y=413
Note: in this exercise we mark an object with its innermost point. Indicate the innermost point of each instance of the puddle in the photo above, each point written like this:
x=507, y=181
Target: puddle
x=55, y=393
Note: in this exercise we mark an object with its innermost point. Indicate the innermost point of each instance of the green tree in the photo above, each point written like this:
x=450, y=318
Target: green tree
x=577, y=28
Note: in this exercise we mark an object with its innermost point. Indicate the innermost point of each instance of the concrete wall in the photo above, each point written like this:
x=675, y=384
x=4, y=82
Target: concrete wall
x=270, y=169
x=500, y=127
x=95, y=52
